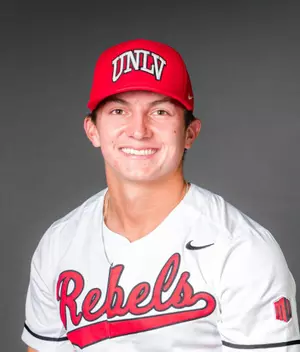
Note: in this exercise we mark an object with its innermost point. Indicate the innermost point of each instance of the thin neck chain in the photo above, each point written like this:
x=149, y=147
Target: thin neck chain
x=105, y=210
x=106, y=200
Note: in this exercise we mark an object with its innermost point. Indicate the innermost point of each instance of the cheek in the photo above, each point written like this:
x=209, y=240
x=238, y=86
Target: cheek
x=108, y=145
x=170, y=130
x=107, y=136
x=174, y=141
x=175, y=136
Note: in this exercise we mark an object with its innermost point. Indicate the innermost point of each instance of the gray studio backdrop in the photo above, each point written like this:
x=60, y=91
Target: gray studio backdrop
x=243, y=57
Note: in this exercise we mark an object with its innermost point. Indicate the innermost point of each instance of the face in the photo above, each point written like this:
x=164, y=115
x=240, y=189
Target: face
x=142, y=135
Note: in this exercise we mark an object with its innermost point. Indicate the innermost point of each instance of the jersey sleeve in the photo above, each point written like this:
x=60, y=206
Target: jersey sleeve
x=257, y=296
x=43, y=329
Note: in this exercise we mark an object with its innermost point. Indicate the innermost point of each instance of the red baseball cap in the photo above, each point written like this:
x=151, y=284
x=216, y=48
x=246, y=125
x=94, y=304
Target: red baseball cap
x=141, y=65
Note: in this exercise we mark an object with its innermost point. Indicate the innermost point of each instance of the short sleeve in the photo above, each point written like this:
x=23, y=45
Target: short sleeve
x=43, y=329
x=257, y=296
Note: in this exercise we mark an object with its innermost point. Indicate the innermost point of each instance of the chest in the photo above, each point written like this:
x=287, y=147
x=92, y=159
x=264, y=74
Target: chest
x=147, y=294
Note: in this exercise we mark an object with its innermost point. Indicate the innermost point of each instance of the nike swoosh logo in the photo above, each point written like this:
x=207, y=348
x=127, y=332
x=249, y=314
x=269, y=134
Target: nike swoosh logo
x=191, y=247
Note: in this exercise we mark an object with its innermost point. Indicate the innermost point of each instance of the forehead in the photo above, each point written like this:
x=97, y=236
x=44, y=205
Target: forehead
x=140, y=97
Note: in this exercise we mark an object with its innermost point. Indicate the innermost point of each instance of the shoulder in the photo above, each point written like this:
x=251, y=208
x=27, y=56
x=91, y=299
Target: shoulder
x=58, y=238
x=242, y=249
x=228, y=227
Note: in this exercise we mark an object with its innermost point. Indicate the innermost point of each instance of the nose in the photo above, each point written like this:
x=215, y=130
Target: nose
x=138, y=126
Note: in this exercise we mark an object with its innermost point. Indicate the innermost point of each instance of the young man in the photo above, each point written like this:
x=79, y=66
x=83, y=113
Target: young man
x=153, y=263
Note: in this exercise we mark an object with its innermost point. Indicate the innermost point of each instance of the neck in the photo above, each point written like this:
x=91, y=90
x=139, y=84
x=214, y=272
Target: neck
x=135, y=209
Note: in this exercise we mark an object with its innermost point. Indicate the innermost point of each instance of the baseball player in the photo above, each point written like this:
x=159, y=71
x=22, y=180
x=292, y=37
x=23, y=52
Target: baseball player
x=153, y=262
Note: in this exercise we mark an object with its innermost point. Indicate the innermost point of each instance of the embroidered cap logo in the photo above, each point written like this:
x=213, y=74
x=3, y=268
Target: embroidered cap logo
x=138, y=60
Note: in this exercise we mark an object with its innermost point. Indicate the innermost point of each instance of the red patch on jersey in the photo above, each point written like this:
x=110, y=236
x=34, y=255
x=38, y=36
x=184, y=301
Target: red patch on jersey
x=283, y=309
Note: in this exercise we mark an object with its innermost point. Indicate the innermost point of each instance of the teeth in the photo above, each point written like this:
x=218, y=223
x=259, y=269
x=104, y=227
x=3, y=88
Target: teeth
x=138, y=152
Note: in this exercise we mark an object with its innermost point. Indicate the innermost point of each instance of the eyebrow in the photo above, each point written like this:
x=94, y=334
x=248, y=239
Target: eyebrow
x=116, y=100
x=153, y=103
x=163, y=100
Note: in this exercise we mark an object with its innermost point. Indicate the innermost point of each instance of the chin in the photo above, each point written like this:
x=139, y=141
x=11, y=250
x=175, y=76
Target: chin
x=140, y=176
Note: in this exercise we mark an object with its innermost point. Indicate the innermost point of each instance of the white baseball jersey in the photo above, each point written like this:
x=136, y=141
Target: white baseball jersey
x=208, y=278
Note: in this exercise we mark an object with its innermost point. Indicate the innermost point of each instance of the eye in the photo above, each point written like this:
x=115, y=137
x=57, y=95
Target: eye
x=117, y=112
x=161, y=112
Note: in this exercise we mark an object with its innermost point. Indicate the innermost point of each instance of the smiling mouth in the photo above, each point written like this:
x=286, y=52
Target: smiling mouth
x=131, y=151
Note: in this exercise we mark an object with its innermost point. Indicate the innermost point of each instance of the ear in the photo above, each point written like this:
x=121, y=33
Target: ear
x=91, y=131
x=192, y=133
